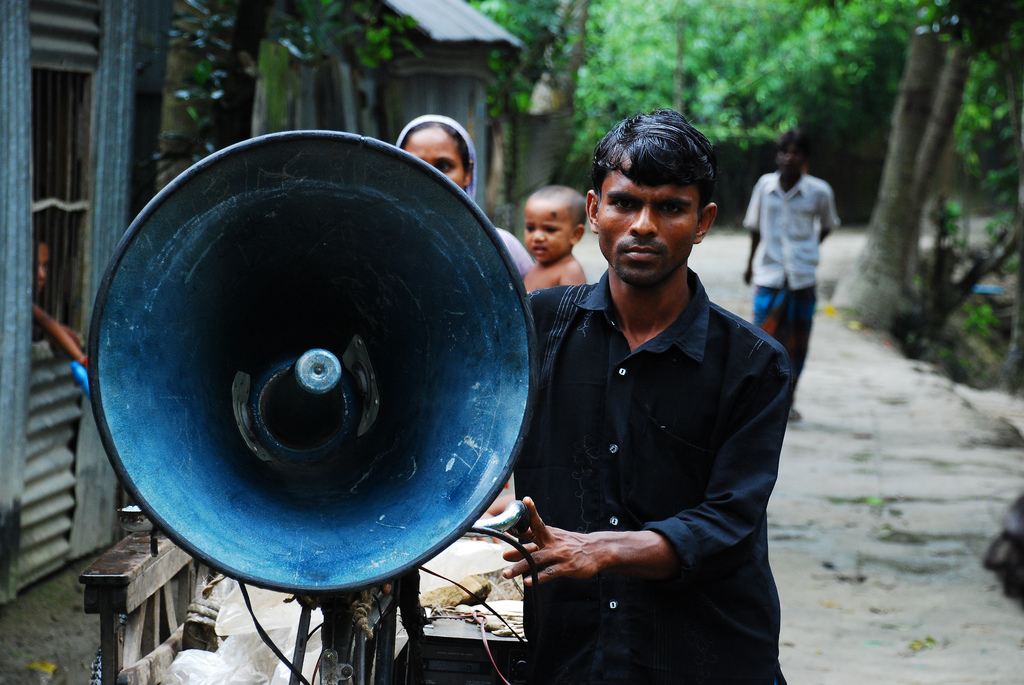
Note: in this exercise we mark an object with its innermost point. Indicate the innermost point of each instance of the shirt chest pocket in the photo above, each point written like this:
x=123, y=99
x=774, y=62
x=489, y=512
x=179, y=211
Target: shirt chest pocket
x=800, y=220
x=663, y=474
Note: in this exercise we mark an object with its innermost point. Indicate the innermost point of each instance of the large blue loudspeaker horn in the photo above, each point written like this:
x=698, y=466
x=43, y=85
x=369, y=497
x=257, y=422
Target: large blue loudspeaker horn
x=311, y=362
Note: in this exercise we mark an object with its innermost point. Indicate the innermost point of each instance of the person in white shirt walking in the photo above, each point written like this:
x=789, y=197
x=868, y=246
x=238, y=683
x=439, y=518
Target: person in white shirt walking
x=789, y=214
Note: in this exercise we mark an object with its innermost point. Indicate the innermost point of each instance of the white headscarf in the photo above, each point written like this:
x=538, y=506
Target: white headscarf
x=439, y=119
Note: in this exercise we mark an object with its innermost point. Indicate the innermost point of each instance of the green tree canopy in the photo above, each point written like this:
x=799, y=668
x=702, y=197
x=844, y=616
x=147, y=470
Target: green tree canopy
x=749, y=68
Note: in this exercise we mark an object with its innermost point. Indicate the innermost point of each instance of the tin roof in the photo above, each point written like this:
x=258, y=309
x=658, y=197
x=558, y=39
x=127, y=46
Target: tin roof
x=453, y=21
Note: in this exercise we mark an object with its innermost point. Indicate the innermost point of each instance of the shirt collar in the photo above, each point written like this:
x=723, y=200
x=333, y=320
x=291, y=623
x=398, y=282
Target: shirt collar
x=689, y=332
x=775, y=187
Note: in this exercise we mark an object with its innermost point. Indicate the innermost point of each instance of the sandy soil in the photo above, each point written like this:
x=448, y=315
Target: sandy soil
x=46, y=626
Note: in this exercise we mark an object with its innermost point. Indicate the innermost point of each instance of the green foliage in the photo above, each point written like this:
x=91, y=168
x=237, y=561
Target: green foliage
x=985, y=130
x=950, y=225
x=988, y=26
x=750, y=68
x=204, y=29
x=981, y=320
x=326, y=28
x=541, y=25
x=358, y=30
x=741, y=70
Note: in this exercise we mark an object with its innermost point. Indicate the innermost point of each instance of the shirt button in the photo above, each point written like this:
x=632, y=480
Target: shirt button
x=614, y=520
x=613, y=604
x=622, y=371
x=613, y=448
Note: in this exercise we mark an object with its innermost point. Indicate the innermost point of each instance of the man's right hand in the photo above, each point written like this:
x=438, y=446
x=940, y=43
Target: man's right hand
x=556, y=552
x=561, y=553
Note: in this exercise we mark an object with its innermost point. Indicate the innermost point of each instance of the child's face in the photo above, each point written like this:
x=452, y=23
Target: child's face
x=550, y=233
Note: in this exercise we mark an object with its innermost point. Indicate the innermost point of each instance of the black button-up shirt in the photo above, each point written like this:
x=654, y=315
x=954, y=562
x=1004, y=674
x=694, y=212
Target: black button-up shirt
x=681, y=436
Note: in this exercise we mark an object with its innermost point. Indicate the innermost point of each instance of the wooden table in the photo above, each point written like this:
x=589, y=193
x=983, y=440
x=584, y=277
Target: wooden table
x=141, y=597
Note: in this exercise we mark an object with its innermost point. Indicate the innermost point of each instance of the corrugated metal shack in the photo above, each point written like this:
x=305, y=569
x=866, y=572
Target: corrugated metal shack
x=66, y=83
x=448, y=73
x=451, y=74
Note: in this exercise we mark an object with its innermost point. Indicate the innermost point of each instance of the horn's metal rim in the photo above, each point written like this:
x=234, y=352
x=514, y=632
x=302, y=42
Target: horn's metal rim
x=99, y=308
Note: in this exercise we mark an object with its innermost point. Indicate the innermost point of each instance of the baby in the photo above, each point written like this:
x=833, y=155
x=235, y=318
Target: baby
x=556, y=217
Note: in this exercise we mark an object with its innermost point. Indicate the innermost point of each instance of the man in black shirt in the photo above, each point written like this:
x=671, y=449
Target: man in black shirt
x=655, y=445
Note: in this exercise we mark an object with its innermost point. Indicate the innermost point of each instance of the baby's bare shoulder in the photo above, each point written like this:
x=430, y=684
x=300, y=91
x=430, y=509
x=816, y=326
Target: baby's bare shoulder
x=570, y=272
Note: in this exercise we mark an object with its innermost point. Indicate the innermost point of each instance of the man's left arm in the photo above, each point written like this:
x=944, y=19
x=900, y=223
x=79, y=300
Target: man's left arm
x=827, y=213
x=716, y=537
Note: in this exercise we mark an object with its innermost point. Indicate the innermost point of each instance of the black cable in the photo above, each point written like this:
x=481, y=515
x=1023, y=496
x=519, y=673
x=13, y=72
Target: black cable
x=477, y=597
x=266, y=638
x=313, y=632
x=505, y=537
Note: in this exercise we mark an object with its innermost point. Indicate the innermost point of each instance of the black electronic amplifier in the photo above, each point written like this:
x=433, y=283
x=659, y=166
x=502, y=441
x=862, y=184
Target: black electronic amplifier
x=453, y=654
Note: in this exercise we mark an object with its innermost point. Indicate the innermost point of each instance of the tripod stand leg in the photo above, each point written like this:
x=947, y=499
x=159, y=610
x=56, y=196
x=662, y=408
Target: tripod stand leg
x=300, y=645
x=337, y=639
x=384, y=656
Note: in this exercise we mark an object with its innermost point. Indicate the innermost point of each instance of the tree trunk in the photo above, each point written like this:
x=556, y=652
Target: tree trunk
x=948, y=98
x=233, y=115
x=1012, y=373
x=579, y=11
x=876, y=288
x=935, y=302
x=178, y=127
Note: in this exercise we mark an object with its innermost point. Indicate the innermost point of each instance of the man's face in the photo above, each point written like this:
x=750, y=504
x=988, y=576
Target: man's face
x=791, y=160
x=646, y=232
x=550, y=233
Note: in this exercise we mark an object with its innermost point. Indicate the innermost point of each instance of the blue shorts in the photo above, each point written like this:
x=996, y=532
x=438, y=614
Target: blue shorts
x=786, y=315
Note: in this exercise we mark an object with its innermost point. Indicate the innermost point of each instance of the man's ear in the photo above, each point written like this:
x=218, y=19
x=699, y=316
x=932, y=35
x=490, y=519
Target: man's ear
x=593, y=200
x=707, y=217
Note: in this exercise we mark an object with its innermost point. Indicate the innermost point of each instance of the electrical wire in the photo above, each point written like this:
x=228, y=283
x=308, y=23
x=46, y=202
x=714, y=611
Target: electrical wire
x=508, y=539
x=313, y=632
x=486, y=532
x=481, y=620
x=266, y=638
x=477, y=598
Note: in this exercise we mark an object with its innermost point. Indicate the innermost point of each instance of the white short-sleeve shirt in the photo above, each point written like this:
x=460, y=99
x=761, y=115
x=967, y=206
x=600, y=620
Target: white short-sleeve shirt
x=790, y=225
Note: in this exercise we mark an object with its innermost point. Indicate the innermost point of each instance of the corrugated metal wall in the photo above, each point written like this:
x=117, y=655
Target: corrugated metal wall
x=15, y=278
x=65, y=33
x=113, y=117
x=57, y=490
x=64, y=38
x=48, y=497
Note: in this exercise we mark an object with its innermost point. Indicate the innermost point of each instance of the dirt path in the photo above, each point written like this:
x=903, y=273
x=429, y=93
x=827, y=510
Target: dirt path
x=46, y=626
x=889, y=492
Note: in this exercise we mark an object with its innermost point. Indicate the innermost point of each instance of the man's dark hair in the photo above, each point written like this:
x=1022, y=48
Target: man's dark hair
x=660, y=148
x=575, y=202
x=797, y=137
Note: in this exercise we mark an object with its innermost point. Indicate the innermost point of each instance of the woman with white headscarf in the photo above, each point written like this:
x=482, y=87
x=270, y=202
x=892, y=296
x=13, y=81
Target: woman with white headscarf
x=444, y=144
